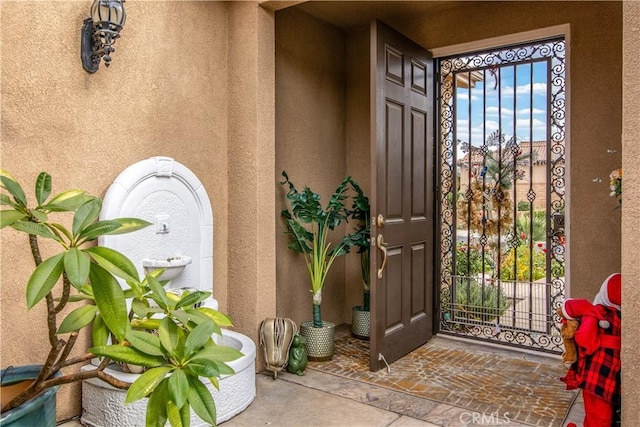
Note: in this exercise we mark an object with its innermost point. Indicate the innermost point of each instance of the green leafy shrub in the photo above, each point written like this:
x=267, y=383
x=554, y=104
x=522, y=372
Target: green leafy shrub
x=539, y=222
x=469, y=260
x=523, y=206
x=479, y=302
x=512, y=269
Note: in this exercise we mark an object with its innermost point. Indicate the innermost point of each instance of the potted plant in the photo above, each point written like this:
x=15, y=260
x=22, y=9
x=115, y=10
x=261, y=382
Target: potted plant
x=361, y=212
x=308, y=226
x=164, y=334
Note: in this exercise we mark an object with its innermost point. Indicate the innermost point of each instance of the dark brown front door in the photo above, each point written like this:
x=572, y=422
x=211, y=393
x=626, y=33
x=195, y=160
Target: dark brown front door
x=402, y=200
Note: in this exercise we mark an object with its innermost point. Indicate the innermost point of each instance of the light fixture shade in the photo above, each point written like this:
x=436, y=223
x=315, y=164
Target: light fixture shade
x=108, y=17
x=100, y=31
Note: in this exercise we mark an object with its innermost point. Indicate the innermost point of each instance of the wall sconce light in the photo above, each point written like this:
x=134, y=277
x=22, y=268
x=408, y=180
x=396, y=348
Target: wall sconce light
x=100, y=32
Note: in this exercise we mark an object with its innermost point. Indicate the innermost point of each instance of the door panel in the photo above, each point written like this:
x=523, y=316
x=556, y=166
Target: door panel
x=402, y=150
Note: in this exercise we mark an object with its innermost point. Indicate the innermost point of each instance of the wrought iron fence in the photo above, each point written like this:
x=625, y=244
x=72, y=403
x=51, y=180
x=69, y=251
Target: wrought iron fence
x=510, y=312
x=502, y=200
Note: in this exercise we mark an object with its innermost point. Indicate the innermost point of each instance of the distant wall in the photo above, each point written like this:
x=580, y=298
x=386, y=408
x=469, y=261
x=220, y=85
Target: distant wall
x=310, y=145
x=358, y=146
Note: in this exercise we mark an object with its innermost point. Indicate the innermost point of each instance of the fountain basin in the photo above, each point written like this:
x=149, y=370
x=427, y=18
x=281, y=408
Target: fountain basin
x=103, y=405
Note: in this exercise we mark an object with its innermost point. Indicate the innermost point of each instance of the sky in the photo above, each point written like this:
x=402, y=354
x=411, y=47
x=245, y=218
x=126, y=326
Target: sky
x=512, y=98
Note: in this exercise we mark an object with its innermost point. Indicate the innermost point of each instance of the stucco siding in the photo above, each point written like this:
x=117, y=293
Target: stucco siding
x=310, y=145
x=165, y=93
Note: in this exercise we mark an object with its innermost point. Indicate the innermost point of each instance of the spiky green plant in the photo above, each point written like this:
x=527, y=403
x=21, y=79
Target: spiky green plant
x=308, y=226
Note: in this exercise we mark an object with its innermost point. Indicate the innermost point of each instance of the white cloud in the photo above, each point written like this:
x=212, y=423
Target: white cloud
x=495, y=111
x=527, y=111
x=538, y=89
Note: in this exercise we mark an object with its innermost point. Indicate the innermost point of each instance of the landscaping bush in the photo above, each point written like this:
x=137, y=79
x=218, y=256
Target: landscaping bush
x=477, y=302
x=523, y=206
x=508, y=265
x=469, y=261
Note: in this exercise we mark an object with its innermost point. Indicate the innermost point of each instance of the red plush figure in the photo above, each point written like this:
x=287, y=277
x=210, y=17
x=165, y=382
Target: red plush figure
x=597, y=371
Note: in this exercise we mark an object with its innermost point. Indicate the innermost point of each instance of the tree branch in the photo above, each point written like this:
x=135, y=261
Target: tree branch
x=84, y=358
x=73, y=337
x=80, y=376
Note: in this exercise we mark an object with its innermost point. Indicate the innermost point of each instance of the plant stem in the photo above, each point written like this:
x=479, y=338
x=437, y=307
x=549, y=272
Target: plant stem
x=317, y=318
x=366, y=301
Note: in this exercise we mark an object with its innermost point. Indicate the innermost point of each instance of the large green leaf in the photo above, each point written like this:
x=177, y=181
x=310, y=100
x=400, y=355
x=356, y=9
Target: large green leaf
x=170, y=337
x=35, y=228
x=204, y=368
x=220, y=318
x=147, y=383
x=198, y=337
x=218, y=353
x=145, y=323
x=14, y=188
x=140, y=307
x=10, y=216
x=44, y=278
x=85, y=215
x=43, y=187
x=178, y=387
x=157, y=405
x=193, y=298
x=59, y=228
x=66, y=201
x=76, y=266
x=39, y=215
x=174, y=415
x=185, y=415
x=78, y=319
x=99, y=332
x=6, y=200
x=97, y=229
x=182, y=316
x=110, y=300
x=126, y=354
x=158, y=293
x=128, y=225
x=224, y=369
x=114, y=262
x=146, y=342
x=201, y=401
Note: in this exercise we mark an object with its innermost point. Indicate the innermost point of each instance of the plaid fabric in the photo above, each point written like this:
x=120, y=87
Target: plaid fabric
x=599, y=373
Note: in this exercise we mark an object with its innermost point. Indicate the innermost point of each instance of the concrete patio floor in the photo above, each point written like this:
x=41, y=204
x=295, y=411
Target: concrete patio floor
x=322, y=399
x=300, y=401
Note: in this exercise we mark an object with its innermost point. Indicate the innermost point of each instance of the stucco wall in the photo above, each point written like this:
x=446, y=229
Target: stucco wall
x=310, y=145
x=358, y=146
x=251, y=221
x=595, y=110
x=631, y=215
x=164, y=94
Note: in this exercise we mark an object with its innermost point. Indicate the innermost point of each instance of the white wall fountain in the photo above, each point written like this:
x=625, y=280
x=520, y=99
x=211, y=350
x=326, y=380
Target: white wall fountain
x=168, y=195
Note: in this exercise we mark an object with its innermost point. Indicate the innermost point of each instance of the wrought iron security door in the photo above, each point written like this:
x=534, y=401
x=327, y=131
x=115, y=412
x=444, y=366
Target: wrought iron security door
x=502, y=201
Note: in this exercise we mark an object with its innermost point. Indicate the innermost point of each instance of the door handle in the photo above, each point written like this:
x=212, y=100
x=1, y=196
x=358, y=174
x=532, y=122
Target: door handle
x=383, y=247
x=380, y=220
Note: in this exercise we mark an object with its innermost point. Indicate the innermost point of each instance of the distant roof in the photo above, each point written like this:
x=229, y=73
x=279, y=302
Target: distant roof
x=539, y=149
